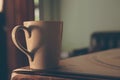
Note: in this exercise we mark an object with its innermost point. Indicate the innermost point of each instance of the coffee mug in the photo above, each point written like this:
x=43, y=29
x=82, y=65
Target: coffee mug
x=43, y=41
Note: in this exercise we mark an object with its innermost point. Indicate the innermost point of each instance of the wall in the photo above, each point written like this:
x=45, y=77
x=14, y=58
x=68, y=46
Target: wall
x=49, y=9
x=83, y=17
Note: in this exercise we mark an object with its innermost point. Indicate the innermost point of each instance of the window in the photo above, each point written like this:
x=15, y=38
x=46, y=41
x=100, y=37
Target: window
x=36, y=10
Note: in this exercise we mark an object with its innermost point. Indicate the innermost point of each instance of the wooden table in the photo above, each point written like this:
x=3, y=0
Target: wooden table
x=99, y=65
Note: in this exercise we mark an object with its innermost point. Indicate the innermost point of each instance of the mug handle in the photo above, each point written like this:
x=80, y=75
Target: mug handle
x=15, y=40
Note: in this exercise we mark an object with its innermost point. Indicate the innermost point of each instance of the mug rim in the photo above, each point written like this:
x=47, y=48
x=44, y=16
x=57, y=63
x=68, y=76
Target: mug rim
x=41, y=21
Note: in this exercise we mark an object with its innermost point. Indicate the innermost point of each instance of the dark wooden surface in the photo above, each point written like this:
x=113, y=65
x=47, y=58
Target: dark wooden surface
x=84, y=67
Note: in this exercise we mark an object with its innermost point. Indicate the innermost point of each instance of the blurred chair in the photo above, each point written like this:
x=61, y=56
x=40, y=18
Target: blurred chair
x=100, y=41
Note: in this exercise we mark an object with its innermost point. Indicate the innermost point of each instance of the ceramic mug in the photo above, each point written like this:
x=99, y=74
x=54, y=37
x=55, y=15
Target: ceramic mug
x=43, y=41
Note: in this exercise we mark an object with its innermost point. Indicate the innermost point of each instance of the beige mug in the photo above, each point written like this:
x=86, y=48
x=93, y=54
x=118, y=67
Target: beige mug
x=43, y=41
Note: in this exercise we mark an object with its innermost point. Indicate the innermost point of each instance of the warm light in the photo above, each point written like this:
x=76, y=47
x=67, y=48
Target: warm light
x=1, y=5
